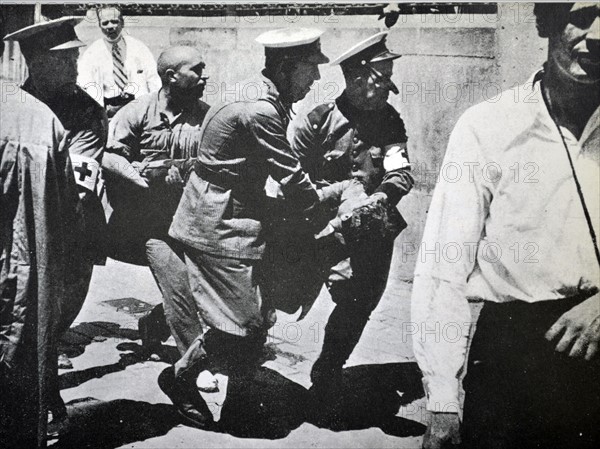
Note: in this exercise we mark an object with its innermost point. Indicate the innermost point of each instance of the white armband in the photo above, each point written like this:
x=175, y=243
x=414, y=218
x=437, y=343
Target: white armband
x=396, y=157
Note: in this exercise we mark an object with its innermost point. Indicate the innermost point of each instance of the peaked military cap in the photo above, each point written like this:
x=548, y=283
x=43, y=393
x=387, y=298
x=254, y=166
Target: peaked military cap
x=294, y=43
x=48, y=35
x=372, y=49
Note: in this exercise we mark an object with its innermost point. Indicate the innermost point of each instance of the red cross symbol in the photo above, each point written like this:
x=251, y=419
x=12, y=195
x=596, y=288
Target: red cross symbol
x=83, y=171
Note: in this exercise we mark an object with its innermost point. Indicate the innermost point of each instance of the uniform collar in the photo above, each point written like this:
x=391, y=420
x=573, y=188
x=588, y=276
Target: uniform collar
x=350, y=111
x=271, y=94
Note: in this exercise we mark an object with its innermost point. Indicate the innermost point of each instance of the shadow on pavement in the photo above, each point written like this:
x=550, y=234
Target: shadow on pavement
x=266, y=405
x=83, y=334
x=106, y=425
x=73, y=379
x=371, y=396
x=164, y=353
x=74, y=341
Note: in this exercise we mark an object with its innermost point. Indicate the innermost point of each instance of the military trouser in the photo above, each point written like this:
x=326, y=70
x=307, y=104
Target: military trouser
x=228, y=299
x=355, y=297
x=167, y=263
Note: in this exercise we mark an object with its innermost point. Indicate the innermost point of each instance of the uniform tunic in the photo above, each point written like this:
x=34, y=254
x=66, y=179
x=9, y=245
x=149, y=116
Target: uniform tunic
x=243, y=143
x=337, y=141
x=86, y=128
x=223, y=204
x=39, y=259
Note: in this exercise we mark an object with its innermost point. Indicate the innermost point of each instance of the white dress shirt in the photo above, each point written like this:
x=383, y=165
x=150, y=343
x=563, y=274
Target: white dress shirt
x=509, y=226
x=96, y=69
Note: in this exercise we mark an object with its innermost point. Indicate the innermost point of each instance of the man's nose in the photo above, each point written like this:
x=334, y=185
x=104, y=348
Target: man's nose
x=393, y=88
x=316, y=74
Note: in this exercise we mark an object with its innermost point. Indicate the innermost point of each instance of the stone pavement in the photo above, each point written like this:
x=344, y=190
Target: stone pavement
x=114, y=400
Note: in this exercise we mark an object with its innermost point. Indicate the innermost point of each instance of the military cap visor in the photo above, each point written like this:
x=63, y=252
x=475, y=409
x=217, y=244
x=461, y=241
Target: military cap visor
x=48, y=35
x=294, y=43
x=372, y=49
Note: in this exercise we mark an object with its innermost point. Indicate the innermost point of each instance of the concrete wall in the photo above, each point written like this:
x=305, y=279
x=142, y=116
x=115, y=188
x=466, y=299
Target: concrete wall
x=450, y=62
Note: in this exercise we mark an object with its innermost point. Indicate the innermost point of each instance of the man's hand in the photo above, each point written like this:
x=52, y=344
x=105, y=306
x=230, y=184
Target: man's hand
x=444, y=429
x=378, y=198
x=120, y=167
x=580, y=329
x=174, y=177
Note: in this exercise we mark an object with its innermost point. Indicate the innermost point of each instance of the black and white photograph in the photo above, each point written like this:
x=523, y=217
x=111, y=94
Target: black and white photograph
x=299, y=225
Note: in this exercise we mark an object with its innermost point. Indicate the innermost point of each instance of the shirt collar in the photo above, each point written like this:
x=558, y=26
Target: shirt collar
x=177, y=117
x=119, y=42
x=544, y=116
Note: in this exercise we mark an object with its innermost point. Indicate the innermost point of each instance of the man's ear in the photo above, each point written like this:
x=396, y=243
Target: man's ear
x=171, y=75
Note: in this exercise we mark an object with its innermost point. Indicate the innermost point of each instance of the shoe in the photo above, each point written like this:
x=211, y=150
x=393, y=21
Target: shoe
x=186, y=399
x=150, y=341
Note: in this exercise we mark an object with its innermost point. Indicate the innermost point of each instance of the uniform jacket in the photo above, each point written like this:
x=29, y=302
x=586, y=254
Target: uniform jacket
x=243, y=142
x=86, y=128
x=83, y=119
x=39, y=235
x=335, y=142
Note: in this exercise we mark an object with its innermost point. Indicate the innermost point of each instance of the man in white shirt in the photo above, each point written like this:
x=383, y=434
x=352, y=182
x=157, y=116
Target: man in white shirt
x=517, y=229
x=117, y=68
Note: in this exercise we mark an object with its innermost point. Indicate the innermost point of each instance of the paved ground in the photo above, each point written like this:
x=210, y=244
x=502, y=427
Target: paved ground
x=114, y=400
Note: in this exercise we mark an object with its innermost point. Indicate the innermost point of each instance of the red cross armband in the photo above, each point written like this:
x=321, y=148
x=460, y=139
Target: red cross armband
x=396, y=157
x=86, y=171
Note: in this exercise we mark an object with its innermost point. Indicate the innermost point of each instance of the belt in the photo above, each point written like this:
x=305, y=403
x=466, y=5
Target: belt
x=250, y=197
x=120, y=100
x=224, y=179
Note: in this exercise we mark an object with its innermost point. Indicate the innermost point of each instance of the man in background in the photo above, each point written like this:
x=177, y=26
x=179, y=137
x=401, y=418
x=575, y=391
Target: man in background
x=532, y=373
x=159, y=133
x=117, y=68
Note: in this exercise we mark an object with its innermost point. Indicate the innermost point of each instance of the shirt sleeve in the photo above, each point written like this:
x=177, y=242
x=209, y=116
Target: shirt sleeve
x=88, y=77
x=439, y=305
x=124, y=133
x=284, y=167
x=153, y=80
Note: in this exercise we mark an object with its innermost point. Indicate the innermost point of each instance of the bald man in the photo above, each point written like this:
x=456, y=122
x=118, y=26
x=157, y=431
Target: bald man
x=149, y=136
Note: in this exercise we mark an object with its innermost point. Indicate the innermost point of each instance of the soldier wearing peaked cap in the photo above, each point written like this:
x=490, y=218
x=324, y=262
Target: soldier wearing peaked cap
x=220, y=217
x=360, y=136
x=51, y=49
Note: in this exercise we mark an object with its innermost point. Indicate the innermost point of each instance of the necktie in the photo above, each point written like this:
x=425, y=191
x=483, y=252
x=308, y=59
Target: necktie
x=119, y=68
